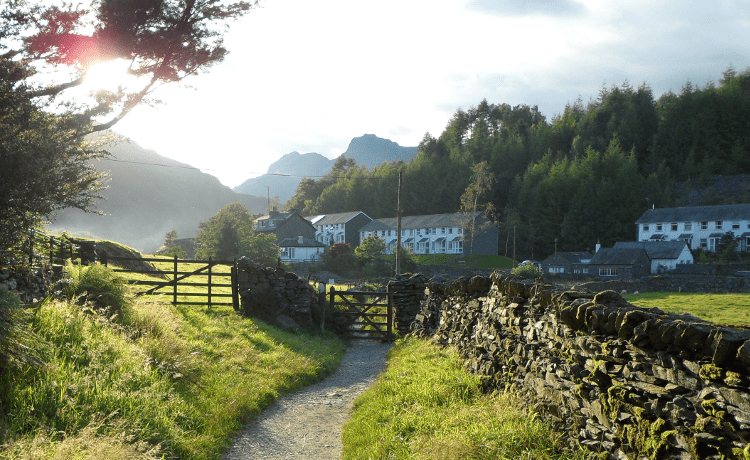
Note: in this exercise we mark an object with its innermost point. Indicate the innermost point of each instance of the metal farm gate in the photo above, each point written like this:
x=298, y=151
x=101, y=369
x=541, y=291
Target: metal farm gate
x=369, y=314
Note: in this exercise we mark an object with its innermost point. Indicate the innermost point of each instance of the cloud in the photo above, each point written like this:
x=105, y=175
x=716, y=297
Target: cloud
x=527, y=7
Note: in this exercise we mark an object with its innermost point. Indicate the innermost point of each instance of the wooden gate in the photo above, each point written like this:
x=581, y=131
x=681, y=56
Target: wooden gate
x=369, y=314
x=207, y=277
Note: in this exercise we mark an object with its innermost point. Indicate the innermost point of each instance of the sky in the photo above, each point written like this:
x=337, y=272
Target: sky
x=308, y=76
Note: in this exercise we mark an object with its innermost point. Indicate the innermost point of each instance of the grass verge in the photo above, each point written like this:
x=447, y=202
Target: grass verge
x=724, y=309
x=426, y=406
x=148, y=380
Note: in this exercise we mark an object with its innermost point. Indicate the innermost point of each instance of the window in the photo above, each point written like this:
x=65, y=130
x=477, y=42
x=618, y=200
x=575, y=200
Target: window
x=736, y=226
x=450, y=231
x=645, y=227
x=718, y=225
x=688, y=226
x=608, y=271
x=460, y=230
x=658, y=227
x=674, y=226
x=557, y=270
x=704, y=225
x=704, y=243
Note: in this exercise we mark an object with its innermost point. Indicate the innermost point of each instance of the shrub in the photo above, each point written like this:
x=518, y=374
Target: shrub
x=97, y=284
x=528, y=270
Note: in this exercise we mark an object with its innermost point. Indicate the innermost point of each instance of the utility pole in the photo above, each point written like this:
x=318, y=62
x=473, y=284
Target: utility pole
x=398, y=226
x=268, y=190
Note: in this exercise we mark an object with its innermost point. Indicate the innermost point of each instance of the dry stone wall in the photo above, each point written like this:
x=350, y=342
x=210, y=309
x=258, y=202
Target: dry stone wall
x=275, y=295
x=30, y=284
x=625, y=381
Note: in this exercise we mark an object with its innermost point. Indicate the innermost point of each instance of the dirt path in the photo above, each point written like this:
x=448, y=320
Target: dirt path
x=307, y=424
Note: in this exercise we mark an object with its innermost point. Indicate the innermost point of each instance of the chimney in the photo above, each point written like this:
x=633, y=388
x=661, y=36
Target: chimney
x=598, y=246
x=273, y=212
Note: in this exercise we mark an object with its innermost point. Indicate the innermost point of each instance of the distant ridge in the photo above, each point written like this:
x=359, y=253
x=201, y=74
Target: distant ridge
x=145, y=201
x=367, y=150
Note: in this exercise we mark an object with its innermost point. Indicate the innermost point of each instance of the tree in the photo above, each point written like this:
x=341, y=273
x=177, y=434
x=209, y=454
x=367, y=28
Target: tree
x=370, y=247
x=230, y=234
x=170, y=238
x=481, y=183
x=45, y=52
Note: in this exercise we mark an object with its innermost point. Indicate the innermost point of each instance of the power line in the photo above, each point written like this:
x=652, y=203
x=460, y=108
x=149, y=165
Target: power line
x=218, y=170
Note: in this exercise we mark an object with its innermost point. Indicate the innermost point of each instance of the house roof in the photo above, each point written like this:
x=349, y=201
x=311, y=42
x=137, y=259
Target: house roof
x=306, y=243
x=612, y=256
x=731, y=212
x=568, y=257
x=656, y=249
x=340, y=218
x=415, y=222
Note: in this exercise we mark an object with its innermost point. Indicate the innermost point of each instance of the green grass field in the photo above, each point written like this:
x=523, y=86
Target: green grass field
x=144, y=379
x=724, y=309
x=426, y=406
x=477, y=261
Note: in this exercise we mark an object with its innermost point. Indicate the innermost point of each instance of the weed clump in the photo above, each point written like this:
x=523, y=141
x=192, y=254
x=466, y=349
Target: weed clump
x=98, y=285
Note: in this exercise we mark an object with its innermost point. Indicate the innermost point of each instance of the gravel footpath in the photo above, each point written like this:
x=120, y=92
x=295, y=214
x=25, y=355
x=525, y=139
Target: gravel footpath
x=307, y=424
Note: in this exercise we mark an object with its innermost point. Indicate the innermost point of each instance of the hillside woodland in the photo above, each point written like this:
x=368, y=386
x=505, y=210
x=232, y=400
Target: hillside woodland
x=584, y=176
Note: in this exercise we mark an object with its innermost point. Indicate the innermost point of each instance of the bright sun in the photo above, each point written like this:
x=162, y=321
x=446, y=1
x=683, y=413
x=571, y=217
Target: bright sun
x=108, y=75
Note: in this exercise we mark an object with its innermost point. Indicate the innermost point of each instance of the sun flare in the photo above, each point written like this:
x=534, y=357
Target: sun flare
x=108, y=75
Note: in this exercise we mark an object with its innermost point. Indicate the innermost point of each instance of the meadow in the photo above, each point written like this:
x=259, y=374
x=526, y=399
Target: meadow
x=125, y=377
x=724, y=309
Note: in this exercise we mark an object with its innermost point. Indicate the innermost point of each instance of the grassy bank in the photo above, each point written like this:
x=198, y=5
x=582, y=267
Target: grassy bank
x=426, y=406
x=726, y=309
x=129, y=378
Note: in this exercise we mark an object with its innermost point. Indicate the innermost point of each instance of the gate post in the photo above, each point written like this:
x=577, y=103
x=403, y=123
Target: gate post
x=209, y=281
x=235, y=287
x=389, y=327
x=174, y=280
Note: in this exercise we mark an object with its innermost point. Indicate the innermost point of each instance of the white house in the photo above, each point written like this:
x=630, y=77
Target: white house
x=300, y=249
x=434, y=234
x=664, y=255
x=339, y=228
x=701, y=227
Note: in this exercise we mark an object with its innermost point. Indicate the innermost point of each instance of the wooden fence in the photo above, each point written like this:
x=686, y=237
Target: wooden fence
x=187, y=277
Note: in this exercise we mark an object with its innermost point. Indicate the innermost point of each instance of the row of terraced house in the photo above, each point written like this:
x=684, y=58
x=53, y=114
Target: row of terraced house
x=304, y=239
x=665, y=238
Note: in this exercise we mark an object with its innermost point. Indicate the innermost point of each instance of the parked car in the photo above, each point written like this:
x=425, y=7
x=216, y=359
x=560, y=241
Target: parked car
x=532, y=262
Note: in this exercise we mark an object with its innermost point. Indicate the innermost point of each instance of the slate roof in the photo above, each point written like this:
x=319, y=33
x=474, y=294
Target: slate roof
x=656, y=249
x=306, y=243
x=332, y=219
x=731, y=212
x=569, y=257
x=612, y=256
x=415, y=222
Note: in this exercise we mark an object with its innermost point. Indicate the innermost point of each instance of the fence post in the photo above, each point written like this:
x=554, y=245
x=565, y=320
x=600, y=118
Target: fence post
x=390, y=321
x=235, y=287
x=321, y=304
x=174, y=281
x=31, y=247
x=209, y=281
x=331, y=302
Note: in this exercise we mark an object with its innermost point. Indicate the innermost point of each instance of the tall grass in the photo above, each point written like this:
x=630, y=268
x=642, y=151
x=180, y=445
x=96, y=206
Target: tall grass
x=426, y=406
x=147, y=379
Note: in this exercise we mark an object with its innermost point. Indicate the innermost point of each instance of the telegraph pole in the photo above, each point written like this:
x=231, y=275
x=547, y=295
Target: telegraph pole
x=398, y=226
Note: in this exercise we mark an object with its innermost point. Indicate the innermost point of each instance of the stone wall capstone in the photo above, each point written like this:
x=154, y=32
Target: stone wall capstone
x=625, y=381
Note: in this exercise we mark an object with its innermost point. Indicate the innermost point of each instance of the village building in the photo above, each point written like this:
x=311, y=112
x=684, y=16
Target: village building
x=701, y=227
x=664, y=255
x=339, y=228
x=567, y=263
x=437, y=234
x=627, y=264
x=301, y=249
